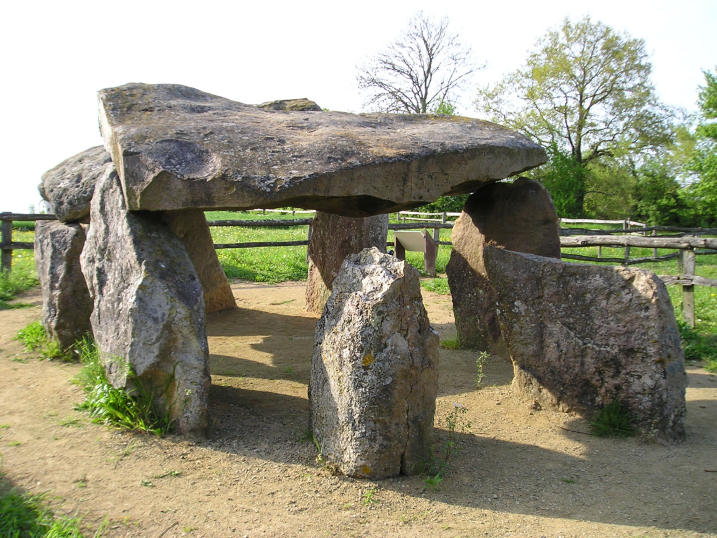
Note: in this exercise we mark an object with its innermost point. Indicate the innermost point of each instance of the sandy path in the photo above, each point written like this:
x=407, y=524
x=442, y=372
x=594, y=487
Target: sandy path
x=520, y=472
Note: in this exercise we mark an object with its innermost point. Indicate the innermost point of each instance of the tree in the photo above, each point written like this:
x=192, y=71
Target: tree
x=418, y=73
x=704, y=160
x=585, y=91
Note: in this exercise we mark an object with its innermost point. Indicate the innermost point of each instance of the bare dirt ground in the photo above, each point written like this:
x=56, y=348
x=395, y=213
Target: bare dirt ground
x=520, y=472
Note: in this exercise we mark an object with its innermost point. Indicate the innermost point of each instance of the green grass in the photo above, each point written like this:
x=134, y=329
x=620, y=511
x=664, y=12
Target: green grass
x=36, y=340
x=117, y=407
x=612, y=421
x=21, y=277
x=23, y=515
x=436, y=285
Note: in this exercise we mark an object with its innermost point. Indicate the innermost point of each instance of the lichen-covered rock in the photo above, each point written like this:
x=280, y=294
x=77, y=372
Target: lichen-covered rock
x=177, y=147
x=519, y=216
x=148, y=308
x=68, y=187
x=301, y=104
x=374, y=370
x=581, y=336
x=190, y=225
x=334, y=237
x=66, y=303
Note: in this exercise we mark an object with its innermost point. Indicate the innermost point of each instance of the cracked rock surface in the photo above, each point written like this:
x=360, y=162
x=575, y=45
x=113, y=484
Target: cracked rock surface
x=177, y=147
x=374, y=370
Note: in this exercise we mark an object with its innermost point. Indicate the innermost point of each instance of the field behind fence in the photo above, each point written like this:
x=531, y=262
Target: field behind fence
x=270, y=246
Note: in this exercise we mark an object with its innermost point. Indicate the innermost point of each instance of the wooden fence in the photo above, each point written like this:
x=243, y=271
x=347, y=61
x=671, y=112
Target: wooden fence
x=632, y=234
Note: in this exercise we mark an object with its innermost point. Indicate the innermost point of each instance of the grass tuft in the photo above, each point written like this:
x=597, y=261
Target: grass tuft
x=24, y=515
x=35, y=339
x=117, y=407
x=612, y=420
x=436, y=285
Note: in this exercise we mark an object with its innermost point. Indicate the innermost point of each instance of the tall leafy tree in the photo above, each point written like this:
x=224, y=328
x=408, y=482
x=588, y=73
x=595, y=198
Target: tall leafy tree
x=704, y=161
x=420, y=72
x=585, y=91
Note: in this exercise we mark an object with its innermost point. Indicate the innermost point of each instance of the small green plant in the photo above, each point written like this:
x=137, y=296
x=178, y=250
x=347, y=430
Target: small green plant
x=172, y=473
x=450, y=343
x=612, y=420
x=481, y=359
x=35, y=339
x=26, y=515
x=455, y=424
x=369, y=497
x=21, y=278
x=436, y=285
x=109, y=405
x=698, y=346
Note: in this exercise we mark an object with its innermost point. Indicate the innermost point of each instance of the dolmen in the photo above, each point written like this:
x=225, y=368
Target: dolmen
x=176, y=151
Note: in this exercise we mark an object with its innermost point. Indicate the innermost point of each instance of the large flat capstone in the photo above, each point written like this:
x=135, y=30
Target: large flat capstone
x=176, y=147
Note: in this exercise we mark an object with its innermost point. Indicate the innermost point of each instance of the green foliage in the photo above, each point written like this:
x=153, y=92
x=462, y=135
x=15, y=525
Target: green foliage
x=455, y=423
x=481, y=359
x=436, y=285
x=565, y=178
x=449, y=343
x=369, y=497
x=444, y=108
x=35, y=339
x=132, y=410
x=659, y=198
x=612, y=420
x=24, y=516
x=21, y=278
x=448, y=204
x=698, y=346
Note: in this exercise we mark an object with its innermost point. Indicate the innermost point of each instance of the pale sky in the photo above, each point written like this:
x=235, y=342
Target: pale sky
x=57, y=55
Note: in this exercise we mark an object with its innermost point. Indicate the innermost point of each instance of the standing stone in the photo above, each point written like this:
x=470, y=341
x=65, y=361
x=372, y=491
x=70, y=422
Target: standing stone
x=519, y=216
x=581, y=336
x=190, y=225
x=148, y=307
x=374, y=370
x=334, y=237
x=68, y=187
x=66, y=303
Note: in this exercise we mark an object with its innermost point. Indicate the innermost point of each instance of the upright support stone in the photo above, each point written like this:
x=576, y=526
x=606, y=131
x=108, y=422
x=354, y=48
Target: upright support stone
x=519, y=216
x=66, y=303
x=582, y=336
x=374, y=370
x=190, y=225
x=148, y=314
x=334, y=237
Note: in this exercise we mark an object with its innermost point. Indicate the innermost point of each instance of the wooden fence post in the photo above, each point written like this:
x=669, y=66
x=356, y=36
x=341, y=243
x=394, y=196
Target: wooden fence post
x=688, y=291
x=430, y=253
x=654, y=250
x=6, y=241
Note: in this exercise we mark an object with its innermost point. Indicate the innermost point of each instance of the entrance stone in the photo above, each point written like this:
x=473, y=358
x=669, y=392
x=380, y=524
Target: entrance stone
x=519, y=216
x=66, y=303
x=334, y=237
x=148, y=315
x=374, y=370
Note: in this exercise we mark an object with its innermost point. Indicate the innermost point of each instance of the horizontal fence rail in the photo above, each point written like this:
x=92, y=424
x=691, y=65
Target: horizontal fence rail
x=686, y=241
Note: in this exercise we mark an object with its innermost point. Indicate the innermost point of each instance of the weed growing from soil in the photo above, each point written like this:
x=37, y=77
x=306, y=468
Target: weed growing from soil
x=109, y=405
x=24, y=515
x=369, y=497
x=456, y=424
x=612, y=420
x=450, y=343
x=481, y=359
x=35, y=339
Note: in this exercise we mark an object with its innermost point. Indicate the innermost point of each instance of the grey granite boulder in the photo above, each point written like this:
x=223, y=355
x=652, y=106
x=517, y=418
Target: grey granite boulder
x=148, y=308
x=374, y=370
x=177, y=147
x=66, y=303
x=581, y=336
x=519, y=216
x=190, y=226
x=334, y=237
x=68, y=187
